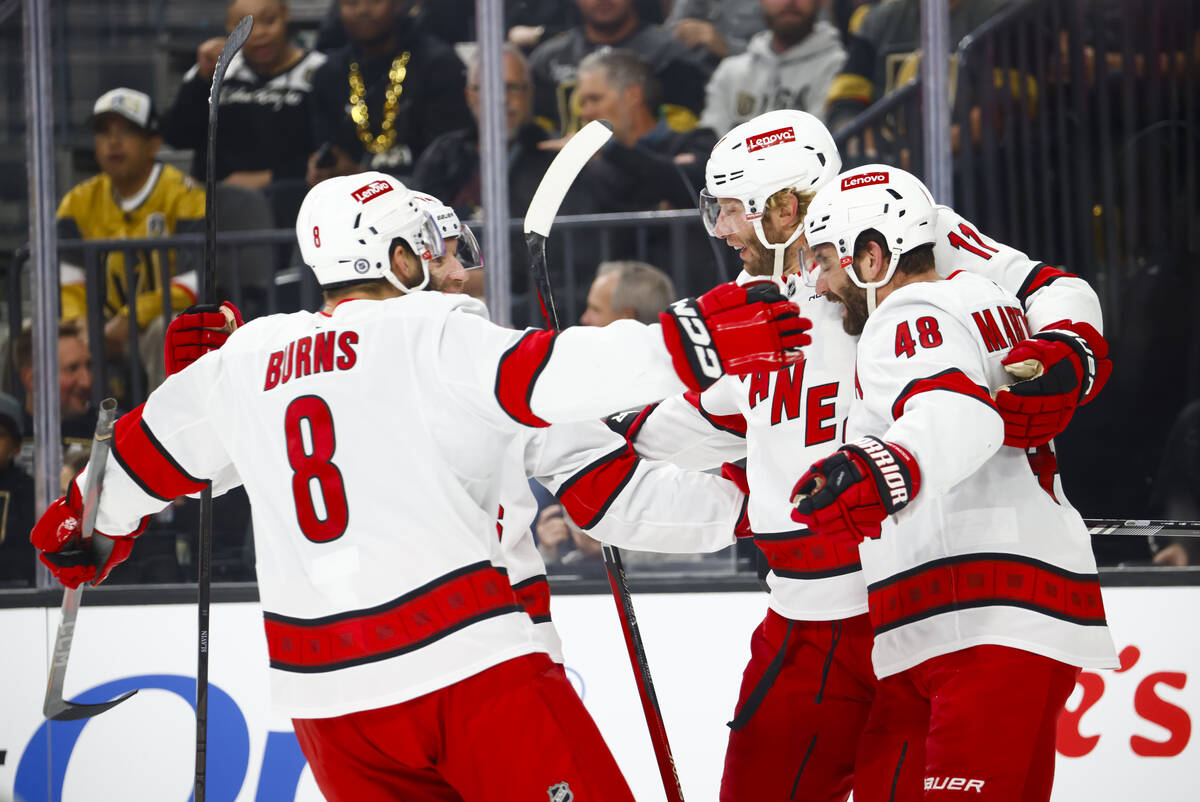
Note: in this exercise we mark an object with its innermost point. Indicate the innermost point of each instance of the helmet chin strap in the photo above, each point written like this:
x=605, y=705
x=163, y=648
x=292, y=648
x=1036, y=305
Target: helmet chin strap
x=394, y=280
x=780, y=248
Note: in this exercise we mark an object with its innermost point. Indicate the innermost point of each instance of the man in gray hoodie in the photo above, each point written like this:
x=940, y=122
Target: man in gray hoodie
x=788, y=66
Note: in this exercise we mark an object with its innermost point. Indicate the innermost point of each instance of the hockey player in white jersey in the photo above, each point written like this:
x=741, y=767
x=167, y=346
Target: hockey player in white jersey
x=810, y=680
x=982, y=587
x=372, y=438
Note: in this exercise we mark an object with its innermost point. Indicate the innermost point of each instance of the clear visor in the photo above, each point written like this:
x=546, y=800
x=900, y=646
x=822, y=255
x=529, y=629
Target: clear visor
x=469, y=254
x=427, y=240
x=722, y=216
x=826, y=259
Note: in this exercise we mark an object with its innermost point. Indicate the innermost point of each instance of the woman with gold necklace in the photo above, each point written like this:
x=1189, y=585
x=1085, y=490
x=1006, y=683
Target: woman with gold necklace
x=381, y=99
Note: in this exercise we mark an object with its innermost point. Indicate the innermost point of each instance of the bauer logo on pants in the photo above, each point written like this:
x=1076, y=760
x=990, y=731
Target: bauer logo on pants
x=776, y=137
x=560, y=792
x=371, y=191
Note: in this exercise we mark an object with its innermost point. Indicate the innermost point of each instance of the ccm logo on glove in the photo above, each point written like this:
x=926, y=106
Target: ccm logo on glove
x=688, y=317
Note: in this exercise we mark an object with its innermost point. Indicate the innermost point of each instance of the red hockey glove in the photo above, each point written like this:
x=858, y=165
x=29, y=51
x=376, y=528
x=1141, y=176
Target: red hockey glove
x=57, y=536
x=198, y=330
x=1059, y=368
x=737, y=475
x=847, y=494
x=733, y=329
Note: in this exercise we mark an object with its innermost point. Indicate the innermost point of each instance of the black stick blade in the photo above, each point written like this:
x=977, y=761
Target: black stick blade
x=73, y=711
x=233, y=44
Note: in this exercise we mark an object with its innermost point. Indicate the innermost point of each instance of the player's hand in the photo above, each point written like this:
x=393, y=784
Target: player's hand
x=849, y=493
x=1062, y=366
x=56, y=536
x=737, y=475
x=196, y=331
x=735, y=329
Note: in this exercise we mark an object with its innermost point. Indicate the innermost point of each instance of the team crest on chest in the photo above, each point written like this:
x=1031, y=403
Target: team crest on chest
x=560, y=792
x=156, y=225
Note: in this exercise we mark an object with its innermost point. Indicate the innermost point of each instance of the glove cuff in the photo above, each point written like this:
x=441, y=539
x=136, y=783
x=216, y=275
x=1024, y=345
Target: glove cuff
x=1081, y=347
x=690, y=345
x=896, y=473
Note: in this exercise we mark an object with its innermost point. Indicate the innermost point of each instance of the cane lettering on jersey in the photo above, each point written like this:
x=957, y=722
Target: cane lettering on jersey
x=322, y=352
x=786, y=388
x=1011, y=320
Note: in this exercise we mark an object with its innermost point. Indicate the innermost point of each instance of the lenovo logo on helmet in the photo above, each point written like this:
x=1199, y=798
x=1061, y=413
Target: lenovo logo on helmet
x=776, y=137
x=864, y=180
x=371, y=191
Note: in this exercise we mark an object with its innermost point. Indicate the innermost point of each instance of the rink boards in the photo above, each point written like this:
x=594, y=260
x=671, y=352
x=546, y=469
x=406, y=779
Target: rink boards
x=1126, y=734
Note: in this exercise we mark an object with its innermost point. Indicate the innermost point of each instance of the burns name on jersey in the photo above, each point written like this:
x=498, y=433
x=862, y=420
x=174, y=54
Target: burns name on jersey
x=322, y=352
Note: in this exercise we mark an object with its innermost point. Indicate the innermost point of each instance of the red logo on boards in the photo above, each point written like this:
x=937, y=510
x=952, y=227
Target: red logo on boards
x=864, y=180
x=371, y=191
x=760, y=141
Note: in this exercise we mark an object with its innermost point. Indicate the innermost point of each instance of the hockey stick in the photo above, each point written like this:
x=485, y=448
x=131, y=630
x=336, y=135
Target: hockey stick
x=207, y=290
x=538, y=219
x=54, y=706
x=1133, y=526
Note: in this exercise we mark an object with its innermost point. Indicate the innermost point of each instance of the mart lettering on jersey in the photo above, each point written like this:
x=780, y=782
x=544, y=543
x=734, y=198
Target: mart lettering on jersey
x=323, y=352
x=1011, y=320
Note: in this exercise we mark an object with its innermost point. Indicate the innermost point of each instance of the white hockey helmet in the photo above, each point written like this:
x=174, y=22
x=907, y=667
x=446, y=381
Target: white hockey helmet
x=450, y=227
x=346, y=225
x=777, y=150
x=875, y=196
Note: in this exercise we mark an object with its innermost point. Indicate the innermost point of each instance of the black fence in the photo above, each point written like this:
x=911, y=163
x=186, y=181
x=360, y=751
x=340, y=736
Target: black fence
x=1075, y=138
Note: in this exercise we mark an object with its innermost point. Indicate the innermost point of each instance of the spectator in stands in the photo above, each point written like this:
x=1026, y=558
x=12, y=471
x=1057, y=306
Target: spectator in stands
x=615, y=24
x=627, y=290
x=16, y=500
x=1177, y=491
x=265, y=108
x=716, y=28
x=621, y=290
x=647, y=164
x=449, y=167
x=77, y=416
x=883, y=51
x=380, y=100
x=788, y=66
x=134, y=196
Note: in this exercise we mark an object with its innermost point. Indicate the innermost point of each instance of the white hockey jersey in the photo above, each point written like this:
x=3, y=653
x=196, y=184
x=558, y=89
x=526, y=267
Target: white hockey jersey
x=375, y=444
x=982, y=554
x=782, y=422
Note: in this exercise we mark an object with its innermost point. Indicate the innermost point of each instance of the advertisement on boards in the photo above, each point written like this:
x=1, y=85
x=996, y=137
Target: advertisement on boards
x=1125, y=734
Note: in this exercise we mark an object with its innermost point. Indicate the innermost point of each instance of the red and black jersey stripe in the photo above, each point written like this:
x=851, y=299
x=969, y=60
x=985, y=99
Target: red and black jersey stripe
x=519, y=369
x=800, y=554
x=141, y=455
x=449, y=603
x=734, y=424
x=628, y=424
x=1041, y=276
x=588, y=494
x=951, y=379
x=969, y=581
x=534, y=596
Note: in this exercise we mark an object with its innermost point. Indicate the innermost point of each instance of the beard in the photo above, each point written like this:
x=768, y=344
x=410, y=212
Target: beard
x=791, y=29
x=854, y=301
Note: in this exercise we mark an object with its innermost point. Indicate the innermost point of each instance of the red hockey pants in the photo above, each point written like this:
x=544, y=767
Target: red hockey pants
x=515, y=731
x=971, y=726
x=804, y=700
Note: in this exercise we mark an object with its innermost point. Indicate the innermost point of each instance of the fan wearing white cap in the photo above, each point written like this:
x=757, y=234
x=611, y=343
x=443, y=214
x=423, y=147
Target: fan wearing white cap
x=758, y=182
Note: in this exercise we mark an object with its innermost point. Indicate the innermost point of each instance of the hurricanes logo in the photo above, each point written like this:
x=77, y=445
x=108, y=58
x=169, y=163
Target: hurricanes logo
x=560, y=792
x=776, y=137
x=371, y=191
x=864, y=180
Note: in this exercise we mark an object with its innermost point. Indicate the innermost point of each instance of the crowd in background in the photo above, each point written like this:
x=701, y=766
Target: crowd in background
x=393, y=85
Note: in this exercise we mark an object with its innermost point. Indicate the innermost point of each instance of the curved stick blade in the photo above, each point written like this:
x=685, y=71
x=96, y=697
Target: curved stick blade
x=561, y=174
x=73, y=711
